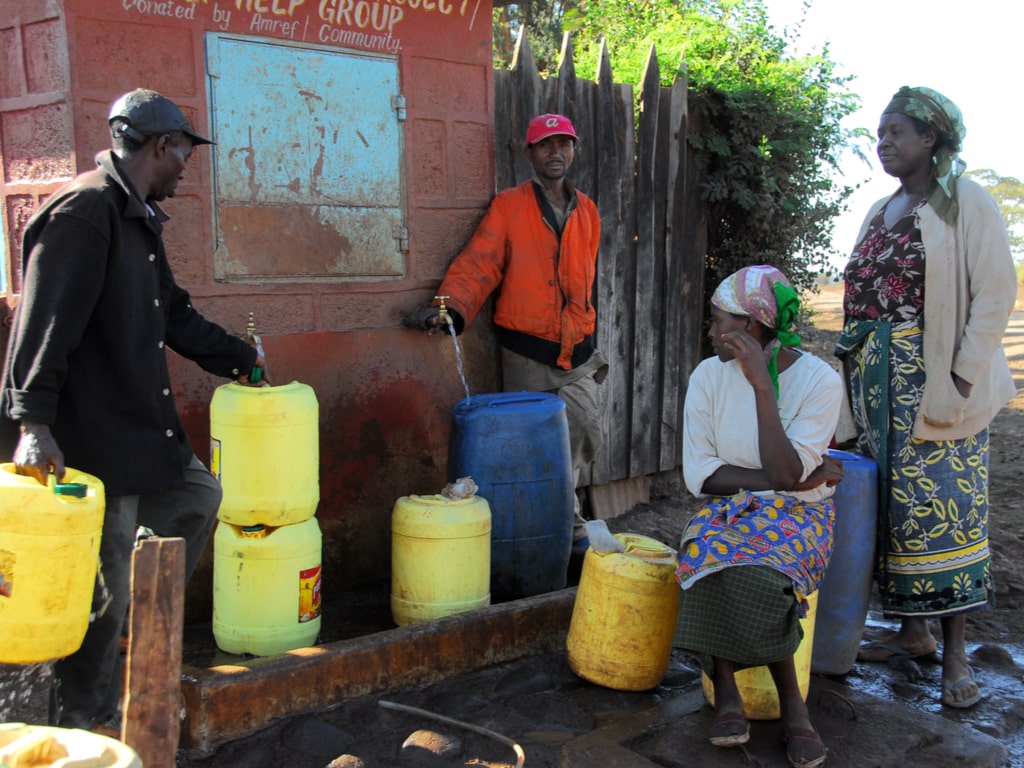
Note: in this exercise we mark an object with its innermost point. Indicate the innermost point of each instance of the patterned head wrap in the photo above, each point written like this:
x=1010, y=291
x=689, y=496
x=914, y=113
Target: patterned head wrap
x=944, y=116
x=764, y=294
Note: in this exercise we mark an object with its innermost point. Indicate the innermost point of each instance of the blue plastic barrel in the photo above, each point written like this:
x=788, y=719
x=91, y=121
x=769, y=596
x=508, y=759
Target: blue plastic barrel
x=515, y=446
x=844, y=593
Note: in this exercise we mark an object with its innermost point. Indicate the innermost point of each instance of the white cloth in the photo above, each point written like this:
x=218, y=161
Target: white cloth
x=720, y=419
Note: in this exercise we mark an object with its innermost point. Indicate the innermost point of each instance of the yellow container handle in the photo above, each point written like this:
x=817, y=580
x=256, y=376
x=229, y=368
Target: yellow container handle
x=656, y=554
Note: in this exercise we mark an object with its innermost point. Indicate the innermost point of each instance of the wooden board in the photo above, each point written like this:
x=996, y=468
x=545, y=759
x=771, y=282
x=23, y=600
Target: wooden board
x=153, y=704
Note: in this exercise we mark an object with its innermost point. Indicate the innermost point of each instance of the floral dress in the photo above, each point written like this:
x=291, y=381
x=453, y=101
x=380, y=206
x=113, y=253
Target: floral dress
x=932, y=552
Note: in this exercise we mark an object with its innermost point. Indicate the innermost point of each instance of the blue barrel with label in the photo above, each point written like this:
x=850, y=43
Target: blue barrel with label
x=846, y=589
x=515, y=446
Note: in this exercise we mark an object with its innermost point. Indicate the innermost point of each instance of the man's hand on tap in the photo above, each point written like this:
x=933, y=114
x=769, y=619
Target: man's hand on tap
x=433, y=318
x=427, y=318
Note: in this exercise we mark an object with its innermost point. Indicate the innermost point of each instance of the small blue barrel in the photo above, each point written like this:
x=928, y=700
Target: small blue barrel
x=515, y=446
x=844, y=593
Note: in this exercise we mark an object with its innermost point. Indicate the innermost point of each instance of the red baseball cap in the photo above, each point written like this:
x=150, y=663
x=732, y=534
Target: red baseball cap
x=543, y=126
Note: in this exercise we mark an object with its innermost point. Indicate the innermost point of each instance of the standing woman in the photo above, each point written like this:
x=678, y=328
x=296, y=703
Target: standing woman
x=757, y=423
x=929, y=290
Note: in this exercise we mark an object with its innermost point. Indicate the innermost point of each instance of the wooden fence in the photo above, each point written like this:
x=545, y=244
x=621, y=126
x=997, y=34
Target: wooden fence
x=639, y=171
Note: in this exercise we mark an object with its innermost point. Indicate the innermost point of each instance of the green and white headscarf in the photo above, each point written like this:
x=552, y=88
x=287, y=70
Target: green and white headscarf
x=763, y=293
x=944, y=116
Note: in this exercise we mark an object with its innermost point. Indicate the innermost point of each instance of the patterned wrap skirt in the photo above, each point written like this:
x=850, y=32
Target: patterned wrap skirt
x=932, y=550
x=747, y=563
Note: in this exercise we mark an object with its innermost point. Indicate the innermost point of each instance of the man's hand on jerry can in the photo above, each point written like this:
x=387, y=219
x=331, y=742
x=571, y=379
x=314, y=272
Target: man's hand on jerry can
x=37, y=453
x=257, y=377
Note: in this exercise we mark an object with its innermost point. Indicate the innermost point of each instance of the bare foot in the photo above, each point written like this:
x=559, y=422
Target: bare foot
x=897, y=646
x=914, y=639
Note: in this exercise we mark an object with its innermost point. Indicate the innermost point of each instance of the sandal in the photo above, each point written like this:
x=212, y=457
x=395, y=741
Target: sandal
x=949, y=693
x=730, y=729
x=804, y=748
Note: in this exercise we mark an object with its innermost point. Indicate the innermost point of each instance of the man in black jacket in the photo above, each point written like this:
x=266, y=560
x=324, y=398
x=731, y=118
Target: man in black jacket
x=86, y=375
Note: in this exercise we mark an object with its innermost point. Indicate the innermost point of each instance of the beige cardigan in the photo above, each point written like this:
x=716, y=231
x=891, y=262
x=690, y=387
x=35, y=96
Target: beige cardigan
x=970, y=287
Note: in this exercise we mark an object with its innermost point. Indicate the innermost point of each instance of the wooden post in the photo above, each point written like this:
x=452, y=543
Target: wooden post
x=152, y=706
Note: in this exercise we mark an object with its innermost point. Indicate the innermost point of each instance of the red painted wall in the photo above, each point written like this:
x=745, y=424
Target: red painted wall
x=385, y=392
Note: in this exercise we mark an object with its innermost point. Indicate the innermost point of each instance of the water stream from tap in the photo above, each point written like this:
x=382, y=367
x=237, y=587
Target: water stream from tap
x=458, y=358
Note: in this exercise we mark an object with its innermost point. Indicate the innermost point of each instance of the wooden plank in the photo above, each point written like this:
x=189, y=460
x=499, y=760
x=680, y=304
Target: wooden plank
x=565, y=102
x=585, y=113
x=694, y=253
x=504, y=162
x=584, y=174
x=613, y=189
x=151, y=723
x=622, y=318
x=525, y=105
x=662, y=343
x=670, y=448
x=646, y=299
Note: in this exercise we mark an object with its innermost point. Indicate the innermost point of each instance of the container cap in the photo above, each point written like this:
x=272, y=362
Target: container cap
x=77, y=490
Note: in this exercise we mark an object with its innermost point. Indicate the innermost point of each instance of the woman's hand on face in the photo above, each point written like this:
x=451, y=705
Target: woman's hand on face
x=829, y=472
x=749, y=353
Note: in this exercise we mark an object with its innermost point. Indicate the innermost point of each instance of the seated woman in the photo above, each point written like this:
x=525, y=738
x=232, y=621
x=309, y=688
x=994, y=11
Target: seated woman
x=758, y=420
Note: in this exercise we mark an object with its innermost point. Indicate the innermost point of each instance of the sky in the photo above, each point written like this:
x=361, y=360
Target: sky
x=969, y=51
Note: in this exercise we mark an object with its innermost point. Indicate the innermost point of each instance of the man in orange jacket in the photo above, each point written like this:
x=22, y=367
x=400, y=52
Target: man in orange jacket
x=538, y=242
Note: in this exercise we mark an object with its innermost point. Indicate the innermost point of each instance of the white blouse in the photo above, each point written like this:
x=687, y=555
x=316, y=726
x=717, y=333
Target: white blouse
x=720, y=419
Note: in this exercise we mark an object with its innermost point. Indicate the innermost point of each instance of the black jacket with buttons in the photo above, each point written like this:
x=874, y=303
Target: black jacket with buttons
x=86, y=351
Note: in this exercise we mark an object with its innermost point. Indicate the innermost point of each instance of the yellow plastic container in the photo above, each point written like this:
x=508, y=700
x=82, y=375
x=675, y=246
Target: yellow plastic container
x=760, y=699
x=440, y=557
x=266, y=587
x=265, y=450
x=41, y=745
x=49, y=548
x=624, y=617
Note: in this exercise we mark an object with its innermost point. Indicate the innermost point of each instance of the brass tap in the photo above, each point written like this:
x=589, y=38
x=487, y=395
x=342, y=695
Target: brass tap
x=443, y=315
x=253, y=340
x=250, y=331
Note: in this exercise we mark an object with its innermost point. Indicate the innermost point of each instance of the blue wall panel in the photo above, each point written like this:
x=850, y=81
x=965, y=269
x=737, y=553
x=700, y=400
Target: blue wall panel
x=308, y=163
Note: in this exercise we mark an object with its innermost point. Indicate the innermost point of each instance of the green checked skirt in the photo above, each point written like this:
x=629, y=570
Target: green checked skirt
x=749, y=615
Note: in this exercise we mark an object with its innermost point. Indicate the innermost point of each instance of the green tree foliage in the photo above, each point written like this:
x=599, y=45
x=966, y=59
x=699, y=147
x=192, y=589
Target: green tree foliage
x=543, y=24
x=1009, y=196
x=766, y=123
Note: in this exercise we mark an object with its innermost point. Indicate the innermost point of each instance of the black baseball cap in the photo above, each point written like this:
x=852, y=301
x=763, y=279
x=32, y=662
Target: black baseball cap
x=147, y=113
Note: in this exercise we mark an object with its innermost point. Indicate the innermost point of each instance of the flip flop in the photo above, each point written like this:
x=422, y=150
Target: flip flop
x=729, y=729
x=949, y=693
x=804, y=748
x=877, y=651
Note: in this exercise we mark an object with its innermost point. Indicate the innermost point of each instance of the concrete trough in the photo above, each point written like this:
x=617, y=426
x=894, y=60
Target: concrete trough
x=230, y=701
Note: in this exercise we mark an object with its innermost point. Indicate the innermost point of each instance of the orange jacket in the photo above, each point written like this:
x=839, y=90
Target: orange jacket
x=546, y=285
